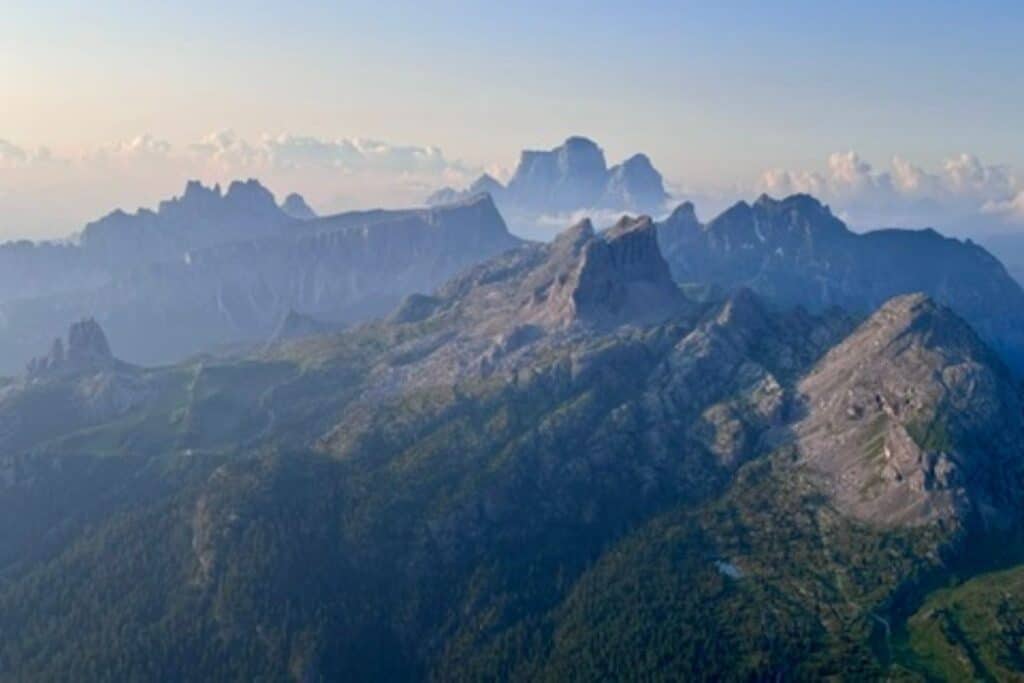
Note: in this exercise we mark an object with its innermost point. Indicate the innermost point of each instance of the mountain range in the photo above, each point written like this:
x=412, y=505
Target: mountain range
x=558, y=465
x=795, y=252
x=409, y=445
x=215, y=268
x=210, y=269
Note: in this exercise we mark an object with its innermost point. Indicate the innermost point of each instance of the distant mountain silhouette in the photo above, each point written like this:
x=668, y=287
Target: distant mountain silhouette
x=212, y=268
x=296, y=207
x=571, y=177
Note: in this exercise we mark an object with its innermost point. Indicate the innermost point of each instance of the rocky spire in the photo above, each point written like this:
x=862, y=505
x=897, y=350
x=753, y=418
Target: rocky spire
x=87, y=349
x=87, y=343
x=295, y=206
x=619, y=276
x=250, y=196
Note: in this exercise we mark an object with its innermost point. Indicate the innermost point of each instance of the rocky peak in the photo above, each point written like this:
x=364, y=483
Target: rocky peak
x=580, y=155
x=570, y=176
x=195, y=191
x=250, y=196
x=486, y=183
x=636, y=184
x=200, y=216
x=743, y=309
x=197, y=199
x=798, y=223
x=472, y=222
x=912, y=419
x=684, y=214
x=295, y=206
x=575, y=236
x=622, y=276
x=801, y=202
x=638, y=163
x=635, y=240
x=87, y=342
x=799, y=213
x=738, y=213
x=794, y=251
x=678, y=230
x=87, y=349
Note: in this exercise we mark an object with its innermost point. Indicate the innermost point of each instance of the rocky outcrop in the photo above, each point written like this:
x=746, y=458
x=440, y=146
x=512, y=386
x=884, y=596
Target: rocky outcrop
x=201, y=217
x=87, y=344
x=634, y=183
x=912, y=419
x=583, y=277
x=622, y=276
x=87, y=349
x=796, y=252
x=728, y=381
x=570, y=177
x=295, y=206
x=679, y=237
x=567, y=177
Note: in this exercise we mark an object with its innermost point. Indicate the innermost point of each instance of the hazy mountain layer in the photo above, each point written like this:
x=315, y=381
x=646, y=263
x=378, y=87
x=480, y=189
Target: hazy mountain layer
x=210, y=269
x=571, y=177
x=554, y=467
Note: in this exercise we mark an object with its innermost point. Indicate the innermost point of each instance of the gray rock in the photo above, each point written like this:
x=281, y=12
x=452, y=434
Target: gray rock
x=295, y=206
x=795, y=252
x=570, y=177
x=912, y=419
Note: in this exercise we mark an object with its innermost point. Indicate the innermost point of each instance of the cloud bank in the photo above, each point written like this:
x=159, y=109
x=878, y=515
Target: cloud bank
x=45, y=194
x=963, y=196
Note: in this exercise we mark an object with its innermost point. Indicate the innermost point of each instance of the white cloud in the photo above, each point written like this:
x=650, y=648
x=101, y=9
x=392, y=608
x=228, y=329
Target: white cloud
x=298, y=152
x=1012, y=208
x=963, y=196
x=846, y=175
x=967, y=176
x=226, y=150
x=141, y=146
x=13, y=156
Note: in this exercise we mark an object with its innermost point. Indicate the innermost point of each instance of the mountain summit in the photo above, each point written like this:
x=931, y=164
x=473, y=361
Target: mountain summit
x=912, y=420
x=86, y=349
x=295, y=206
x=622, y=275
x=571, y=177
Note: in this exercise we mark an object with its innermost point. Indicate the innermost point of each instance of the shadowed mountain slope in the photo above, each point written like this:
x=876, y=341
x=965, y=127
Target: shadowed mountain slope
x=795, y=252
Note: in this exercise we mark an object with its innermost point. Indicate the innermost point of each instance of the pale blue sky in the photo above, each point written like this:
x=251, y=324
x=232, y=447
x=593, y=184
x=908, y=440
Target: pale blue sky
x=711, y=88
x=714, y=92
